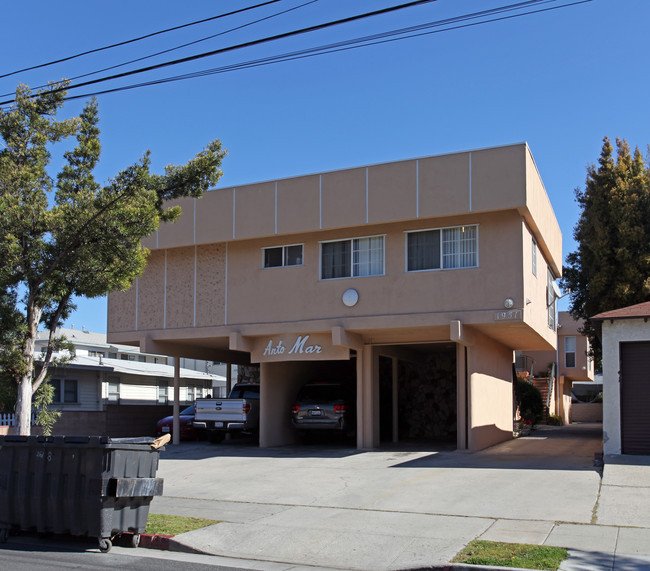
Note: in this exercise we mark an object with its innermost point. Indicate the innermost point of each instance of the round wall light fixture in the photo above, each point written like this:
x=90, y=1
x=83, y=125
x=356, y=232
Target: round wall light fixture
x=350, y=297
x=508, y=303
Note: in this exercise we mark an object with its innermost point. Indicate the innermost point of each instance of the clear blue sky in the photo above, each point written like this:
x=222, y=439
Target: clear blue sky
x=560, y=80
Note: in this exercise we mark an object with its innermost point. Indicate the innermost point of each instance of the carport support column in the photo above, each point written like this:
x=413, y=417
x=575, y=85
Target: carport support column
x=176, y=425
x=462, y=397
x=367, y=398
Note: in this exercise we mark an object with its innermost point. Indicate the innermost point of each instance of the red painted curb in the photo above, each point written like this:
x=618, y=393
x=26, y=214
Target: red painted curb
x=155, y=541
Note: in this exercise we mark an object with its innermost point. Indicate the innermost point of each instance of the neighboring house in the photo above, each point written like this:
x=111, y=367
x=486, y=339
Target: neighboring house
x=116, y=390
x=573, y=364
x=414, y=281
x=625, y=335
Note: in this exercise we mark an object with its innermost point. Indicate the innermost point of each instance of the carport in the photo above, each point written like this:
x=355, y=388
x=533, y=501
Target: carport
x=418, y=393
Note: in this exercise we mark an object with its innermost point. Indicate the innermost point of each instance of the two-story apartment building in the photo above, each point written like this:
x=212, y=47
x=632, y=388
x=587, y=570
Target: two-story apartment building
x=415, y=281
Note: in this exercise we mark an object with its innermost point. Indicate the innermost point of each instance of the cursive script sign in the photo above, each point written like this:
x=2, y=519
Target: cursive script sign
x=303, y=347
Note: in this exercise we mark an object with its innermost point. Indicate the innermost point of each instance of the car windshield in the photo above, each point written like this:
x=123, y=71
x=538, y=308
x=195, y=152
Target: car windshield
x=320, y=394
x=245, y=393
x=189, y=410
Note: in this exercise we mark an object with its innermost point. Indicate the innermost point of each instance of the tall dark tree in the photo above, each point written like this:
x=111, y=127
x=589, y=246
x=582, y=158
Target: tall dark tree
x=611, y=267
x=72, y=238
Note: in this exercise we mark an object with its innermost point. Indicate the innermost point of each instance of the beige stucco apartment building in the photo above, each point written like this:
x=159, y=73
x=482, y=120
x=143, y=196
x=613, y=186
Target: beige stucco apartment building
x=414, y=280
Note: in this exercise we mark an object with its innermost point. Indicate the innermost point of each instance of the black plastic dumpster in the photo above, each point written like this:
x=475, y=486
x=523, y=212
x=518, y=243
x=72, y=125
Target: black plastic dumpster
x=77, y=485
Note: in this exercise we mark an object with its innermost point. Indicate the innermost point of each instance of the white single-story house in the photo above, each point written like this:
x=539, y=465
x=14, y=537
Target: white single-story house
x=626, y=379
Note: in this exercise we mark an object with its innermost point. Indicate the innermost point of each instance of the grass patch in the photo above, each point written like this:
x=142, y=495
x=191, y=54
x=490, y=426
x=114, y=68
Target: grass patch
x=480, y=552
x=159, y=524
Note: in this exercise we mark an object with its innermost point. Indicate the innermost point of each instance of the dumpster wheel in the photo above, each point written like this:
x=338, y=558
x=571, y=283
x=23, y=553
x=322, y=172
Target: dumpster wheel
x=4, y=535
x=105, y=544
x=135, y=540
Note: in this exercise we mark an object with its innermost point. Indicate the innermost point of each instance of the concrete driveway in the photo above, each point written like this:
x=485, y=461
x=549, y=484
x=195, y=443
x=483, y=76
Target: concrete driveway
x=336, y=507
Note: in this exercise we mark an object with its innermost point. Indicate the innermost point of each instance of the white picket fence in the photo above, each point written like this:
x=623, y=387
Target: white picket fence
x=8, y=419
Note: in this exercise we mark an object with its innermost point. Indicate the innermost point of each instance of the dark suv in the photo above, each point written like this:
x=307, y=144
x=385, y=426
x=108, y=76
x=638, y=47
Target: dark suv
x=325, y=406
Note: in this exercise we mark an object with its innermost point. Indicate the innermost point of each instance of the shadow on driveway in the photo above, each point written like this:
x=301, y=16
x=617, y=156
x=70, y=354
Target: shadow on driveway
x=571, y=447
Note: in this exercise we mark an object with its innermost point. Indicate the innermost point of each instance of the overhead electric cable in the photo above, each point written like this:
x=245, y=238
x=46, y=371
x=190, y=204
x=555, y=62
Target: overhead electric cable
x=350, y=44
x=345, y=45
x=125, y=42
x=243, y=45
x=178, y=47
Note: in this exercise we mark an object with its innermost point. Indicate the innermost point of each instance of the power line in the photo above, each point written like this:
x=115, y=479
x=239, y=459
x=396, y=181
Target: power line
x=366, y=41
x=375, y=39
x=125, y=42
x=243, y=45
x=179, y=46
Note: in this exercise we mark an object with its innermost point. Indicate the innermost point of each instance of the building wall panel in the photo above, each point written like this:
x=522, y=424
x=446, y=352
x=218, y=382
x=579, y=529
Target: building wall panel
x=343, y=198
x=121, y=313
x=210, y=285
x=151, y=293
x=444, y=185
x=180, y=286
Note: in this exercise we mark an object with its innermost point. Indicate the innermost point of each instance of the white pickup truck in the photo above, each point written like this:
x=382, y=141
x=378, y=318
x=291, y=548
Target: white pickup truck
x=240, y=412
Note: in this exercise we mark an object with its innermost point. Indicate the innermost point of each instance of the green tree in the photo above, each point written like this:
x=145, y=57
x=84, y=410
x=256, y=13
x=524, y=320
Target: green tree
x=611, y=267
x=70, y=237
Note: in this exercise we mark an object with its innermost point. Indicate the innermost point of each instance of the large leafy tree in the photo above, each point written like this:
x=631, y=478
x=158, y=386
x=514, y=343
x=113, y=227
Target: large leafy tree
x=70, y=236
x=611, y=267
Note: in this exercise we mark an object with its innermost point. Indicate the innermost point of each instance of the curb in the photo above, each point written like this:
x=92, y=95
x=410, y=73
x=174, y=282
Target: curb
x=152, y=541
x=167, y=543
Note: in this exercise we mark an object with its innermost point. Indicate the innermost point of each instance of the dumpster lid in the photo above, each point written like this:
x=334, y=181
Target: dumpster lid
x=138, y=442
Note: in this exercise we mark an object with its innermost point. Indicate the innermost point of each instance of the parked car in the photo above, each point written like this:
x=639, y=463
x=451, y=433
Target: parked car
x=186, y=419
x=325, y=407
x=237, y=414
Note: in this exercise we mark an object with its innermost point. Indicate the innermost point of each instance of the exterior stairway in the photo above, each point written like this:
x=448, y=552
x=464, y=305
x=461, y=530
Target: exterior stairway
x=542, y=385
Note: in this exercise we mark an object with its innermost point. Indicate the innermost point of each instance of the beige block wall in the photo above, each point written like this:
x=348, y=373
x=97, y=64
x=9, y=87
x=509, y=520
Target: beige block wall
x=179, y=292
x=121, y=312
x=151, y=293
x=490, y=394
x=211, y=285
x=586, y=412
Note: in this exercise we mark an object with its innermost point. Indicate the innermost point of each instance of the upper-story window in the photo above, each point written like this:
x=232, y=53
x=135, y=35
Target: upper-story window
x=569, y=352
x=352, y=258
x=534, y=254
x=442, y=249
x=281, y=256
x=551, y=298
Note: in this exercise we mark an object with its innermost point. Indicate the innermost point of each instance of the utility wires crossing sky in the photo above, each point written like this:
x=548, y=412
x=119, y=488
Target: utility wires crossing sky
x=500, y=13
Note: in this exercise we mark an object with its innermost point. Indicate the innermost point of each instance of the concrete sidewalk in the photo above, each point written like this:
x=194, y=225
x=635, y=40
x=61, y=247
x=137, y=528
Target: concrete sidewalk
x=336, y=508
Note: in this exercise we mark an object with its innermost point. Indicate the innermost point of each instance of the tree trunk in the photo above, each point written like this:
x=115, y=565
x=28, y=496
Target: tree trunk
x=23, y=419
x=23, y=422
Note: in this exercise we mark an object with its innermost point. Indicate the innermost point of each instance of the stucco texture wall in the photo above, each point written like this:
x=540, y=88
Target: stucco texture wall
x=490, y=394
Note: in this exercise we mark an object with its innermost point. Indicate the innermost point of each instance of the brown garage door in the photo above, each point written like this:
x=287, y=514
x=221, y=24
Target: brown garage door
x=635, y=397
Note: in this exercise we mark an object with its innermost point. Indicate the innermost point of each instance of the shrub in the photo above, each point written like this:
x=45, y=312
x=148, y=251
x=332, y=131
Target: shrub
x=555, y=420
x=529, y=400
